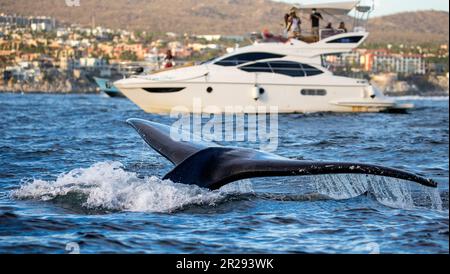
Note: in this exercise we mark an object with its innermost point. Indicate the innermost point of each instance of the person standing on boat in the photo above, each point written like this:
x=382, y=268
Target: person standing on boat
x=294, y=26
x=315, y=22
x=342, y=27
x=168, y=60
x=286, y=25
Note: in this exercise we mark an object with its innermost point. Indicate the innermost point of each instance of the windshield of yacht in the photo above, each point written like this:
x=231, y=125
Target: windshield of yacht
x=242, y=58
x=210, y=61
x=284, y=67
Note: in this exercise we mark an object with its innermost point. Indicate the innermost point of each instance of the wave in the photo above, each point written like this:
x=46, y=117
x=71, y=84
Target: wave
x=108, y=187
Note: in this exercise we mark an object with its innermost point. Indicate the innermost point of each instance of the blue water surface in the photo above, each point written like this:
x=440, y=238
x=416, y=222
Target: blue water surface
x=73, y=173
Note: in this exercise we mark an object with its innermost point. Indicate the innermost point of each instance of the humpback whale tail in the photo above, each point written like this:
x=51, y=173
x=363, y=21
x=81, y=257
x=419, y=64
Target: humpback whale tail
x=214, y=166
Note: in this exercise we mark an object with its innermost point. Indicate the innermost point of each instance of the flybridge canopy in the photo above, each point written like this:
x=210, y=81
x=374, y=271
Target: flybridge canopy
x=335, y=8
x=336, y=44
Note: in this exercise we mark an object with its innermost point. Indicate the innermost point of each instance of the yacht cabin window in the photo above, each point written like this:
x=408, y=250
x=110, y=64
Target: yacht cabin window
x=257, y=67
x=346, y=40
x=310, y=70
x=243, y=58
x=288, y=68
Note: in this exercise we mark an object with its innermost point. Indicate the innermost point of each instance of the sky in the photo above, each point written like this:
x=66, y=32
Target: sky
x=385, y=7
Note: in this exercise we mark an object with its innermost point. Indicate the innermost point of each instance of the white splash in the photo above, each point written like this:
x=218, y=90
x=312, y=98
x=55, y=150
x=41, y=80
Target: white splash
x=388, y=191
x=108, y=186
x=338, y=187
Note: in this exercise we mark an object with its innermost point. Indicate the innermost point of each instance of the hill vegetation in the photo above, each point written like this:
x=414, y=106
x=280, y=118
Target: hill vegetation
x=221, y=17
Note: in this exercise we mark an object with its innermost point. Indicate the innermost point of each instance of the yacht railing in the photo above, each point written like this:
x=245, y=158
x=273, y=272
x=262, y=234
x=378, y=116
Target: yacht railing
x=326, y=33
x=358, y=22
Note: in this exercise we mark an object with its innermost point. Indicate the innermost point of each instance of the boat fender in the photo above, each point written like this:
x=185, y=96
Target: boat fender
x=257, y=92
x=370, y=91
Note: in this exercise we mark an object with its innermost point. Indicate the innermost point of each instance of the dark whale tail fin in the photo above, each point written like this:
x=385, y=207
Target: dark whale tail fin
x=214, y=167
x=158, y=137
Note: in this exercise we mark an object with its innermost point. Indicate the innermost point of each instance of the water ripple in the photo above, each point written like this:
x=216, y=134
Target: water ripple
x=72, y=171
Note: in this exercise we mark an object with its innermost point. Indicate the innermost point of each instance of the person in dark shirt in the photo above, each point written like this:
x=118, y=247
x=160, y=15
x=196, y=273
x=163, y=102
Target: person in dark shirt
x=315, y=22
x=286, y=25
x=286, y=20
x=342, y=27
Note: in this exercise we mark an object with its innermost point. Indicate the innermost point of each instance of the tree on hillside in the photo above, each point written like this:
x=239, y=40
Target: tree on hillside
x=128, y=56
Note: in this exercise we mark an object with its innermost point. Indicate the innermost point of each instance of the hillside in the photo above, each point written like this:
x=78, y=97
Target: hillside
x=218, y=16
x=192, y=16
x=416, y=27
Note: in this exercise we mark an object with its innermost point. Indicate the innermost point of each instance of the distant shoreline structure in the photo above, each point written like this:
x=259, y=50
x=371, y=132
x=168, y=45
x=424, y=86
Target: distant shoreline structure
x=427, y=98
x=427, y=94
x=50, y=92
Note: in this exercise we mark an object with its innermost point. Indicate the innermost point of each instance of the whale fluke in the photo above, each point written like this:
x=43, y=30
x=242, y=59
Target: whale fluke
x=158, y=137
x=214, y=166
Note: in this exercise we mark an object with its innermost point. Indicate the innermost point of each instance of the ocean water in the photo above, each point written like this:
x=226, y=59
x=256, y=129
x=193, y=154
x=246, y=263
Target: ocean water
x=74, y=177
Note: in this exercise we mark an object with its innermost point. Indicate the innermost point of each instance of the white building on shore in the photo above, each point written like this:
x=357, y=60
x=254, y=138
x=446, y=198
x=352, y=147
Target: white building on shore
x=400, y=63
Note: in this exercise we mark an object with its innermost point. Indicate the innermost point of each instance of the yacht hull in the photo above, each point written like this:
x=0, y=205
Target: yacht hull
x=248, y=98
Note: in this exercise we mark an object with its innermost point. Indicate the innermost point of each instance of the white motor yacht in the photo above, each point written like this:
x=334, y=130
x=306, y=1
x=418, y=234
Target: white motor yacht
x=289, y=75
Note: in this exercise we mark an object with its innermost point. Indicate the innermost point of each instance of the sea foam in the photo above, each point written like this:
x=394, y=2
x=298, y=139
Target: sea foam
x=108, y=186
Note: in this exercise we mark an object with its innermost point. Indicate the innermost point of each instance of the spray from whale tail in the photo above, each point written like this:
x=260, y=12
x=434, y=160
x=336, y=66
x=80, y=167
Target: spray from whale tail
x=214, y=166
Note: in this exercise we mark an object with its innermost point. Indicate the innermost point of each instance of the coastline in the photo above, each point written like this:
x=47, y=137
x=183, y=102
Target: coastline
x=439, y=93
x=49, y=93
x=49, y=90
x=60, y=85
